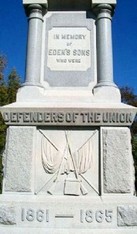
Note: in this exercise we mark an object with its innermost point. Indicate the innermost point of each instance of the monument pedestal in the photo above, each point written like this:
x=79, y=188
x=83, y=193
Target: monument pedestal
x=48, y=189
x=107, y=94
x=68, y=165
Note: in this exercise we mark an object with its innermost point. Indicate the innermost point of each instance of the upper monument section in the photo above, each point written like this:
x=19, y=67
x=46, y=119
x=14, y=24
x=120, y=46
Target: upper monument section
x=69, y=4
x=69, y=52
x=69, y=66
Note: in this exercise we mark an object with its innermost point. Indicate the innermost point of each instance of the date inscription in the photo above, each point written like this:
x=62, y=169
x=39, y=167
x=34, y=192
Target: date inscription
x=99, y=216
x=31, y=215
x=85, y=216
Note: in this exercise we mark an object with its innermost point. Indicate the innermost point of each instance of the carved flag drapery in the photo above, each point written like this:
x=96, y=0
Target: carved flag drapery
x=53, y=158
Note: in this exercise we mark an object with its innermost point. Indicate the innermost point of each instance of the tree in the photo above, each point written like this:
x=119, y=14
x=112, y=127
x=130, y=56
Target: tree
x=13, y=85
x=3, y=88
x=3, y=101
x=3, y=63
x=8, y=92
x=128, y=97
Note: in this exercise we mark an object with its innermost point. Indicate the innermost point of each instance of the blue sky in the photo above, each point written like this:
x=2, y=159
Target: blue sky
x=13, y=36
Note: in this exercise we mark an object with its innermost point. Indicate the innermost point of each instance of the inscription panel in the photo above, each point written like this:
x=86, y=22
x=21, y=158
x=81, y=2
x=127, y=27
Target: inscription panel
x=85, y=216
x=68, y=117
x=99, y=216
x=88, y=217
x=69, y=49
x=31, y=215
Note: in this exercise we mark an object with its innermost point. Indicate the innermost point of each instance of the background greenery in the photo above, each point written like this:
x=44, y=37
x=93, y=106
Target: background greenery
x=8, y=88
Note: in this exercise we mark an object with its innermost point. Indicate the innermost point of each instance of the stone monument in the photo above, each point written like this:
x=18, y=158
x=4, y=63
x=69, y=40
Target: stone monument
x=68, y=165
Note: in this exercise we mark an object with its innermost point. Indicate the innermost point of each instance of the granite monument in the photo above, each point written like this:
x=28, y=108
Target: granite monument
x=68, y=165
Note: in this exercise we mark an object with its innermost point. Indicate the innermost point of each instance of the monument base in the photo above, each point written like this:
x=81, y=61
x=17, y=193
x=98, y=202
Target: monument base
x=64, y=231
x=102, y=128
x=37, y=214
x=100, y=94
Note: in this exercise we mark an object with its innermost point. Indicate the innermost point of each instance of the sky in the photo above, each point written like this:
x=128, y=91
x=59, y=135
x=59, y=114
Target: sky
x=13, y=38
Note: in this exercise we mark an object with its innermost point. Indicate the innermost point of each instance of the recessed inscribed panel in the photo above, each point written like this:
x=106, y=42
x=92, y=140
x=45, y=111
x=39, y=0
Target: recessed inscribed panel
x=69, y=49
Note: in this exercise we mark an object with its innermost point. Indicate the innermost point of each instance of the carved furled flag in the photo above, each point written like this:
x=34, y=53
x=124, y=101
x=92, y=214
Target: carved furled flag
x=52, y=158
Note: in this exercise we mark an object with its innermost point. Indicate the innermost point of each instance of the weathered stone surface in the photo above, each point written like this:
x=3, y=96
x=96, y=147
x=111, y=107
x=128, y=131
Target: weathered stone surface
x=127, y=215
x=117, y=160
x=19, y=159
x=7, y=215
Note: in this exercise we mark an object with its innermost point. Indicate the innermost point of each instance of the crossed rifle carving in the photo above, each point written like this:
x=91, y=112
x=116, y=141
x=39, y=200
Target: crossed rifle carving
x=57, y=174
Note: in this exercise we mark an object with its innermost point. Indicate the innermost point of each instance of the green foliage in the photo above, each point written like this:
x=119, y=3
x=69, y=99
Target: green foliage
x=128, y=97
x=3, y=87
x=1, y=174
x=2, y=133
x=3, y=94
x=134, y=146
x=8, y=92
x=13, y=85
x=3, y=63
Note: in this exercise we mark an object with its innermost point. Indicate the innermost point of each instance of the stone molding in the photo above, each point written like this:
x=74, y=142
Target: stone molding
x=110, y=2
x=104, y=8
x=44, y=3
x=35, y=9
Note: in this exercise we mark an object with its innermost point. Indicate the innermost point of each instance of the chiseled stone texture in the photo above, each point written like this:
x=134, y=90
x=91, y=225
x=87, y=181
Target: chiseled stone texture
x=7, y=215
x=127, y=215
x=19, y=159
x=117, y=160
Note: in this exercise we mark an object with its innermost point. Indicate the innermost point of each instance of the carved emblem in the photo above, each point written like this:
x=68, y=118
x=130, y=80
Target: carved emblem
x=70, y=161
